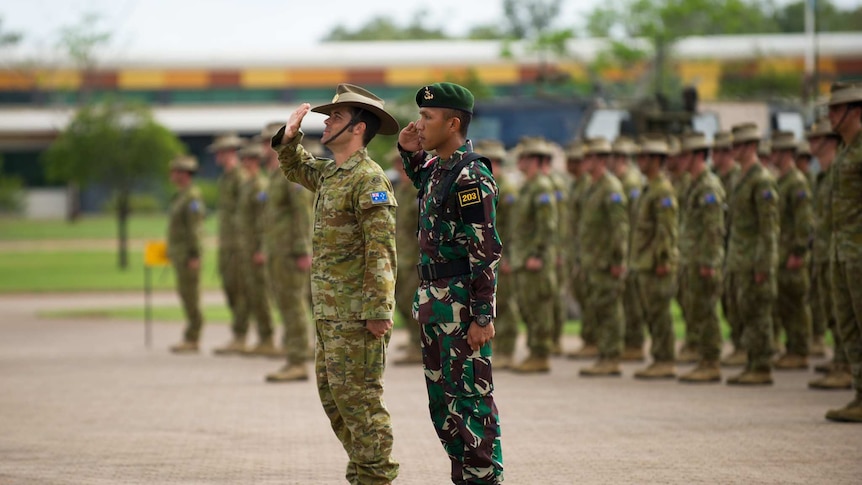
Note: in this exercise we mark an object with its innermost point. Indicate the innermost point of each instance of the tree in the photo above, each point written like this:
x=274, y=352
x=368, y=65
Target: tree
x=117, y=144
x=830, y=18
x=384, y=28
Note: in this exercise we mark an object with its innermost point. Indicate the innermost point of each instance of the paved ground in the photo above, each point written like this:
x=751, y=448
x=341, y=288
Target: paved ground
x=84, y=402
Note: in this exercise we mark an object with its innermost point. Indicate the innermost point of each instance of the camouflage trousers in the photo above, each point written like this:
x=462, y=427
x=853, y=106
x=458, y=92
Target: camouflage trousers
x=349, y=364
x=731, y=314
x=691, y=330
x=656, y=293
x=603, y=308
x=819, y=320
x=256, y=296
x=634, y=330
x=189, y=290
x=701, y=296
x=233, y=284
x=406, y=283
x=506, y=321
x=847, y=305
x=460, y=399
x=792, y=311
x=536, y=291
x=577, y=285
x=559, y=301
x=823, y=281
x=752, y=305
x=290, y=287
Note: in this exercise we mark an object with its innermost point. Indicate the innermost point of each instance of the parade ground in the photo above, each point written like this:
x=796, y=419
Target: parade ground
x=84, y=401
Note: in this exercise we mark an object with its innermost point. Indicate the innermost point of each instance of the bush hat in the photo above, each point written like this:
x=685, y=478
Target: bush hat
x=225, y=141
x=187, y=163
x=357, y=97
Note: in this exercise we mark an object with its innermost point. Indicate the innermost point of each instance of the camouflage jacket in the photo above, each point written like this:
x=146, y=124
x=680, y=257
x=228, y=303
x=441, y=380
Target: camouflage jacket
x=603, y=226
x=406, y=222
x=535, y=223
x=287, y=217
x=656, y=231
x=822, y=217
x=561, y=185
x=701, y=230
x=228, y=205
x=354, y=261
x=250, y=220
x=728, y=182
x=185, y=225
x=847, y=202
x=468, y=230
x=753, y=244
x=633, y=185
x=680, y=184
x=796, y=219
x=505, y=213
x=577, y=194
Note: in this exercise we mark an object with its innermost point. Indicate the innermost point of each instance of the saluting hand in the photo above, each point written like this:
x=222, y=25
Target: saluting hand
x=409, y=138
x=291, y=128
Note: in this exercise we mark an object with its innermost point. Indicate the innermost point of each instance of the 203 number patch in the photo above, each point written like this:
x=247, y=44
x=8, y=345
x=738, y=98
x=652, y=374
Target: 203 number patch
x=469, y=197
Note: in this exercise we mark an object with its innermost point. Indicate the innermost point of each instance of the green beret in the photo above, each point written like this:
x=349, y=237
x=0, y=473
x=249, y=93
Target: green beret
x=445, y=95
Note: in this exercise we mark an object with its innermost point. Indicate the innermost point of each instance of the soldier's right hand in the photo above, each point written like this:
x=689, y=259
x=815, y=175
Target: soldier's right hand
x=291, y=128
x=409, y=138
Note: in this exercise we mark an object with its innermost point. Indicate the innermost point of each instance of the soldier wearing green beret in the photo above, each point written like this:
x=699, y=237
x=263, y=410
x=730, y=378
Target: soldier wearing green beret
x=459, y=254
x=353, y=272
x=185, y=247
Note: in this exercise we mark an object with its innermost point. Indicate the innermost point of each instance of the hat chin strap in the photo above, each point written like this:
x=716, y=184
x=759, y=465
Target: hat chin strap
x=353, y=120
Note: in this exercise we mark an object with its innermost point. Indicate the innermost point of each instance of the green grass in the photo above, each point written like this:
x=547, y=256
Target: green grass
x=90, y=227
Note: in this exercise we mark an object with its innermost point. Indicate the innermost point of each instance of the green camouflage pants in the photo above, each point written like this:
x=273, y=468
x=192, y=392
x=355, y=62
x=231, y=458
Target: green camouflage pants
x=752, y=304
x=460, y=398
x=349, y=364
x=691, y=329
x=603, y=307
x=578, y=288
x=792, y=312
x=731, y=314
x=233, y=285
x=819, y=320
x=506, y=321
x=290, y=291
x=847, y=305
x=559, y=300
x=406, y=283
x=634, y=331
x=256, y=295
x=656, y=293
x=701, y=297
x=535, y=292
x=824, y=290
x=189, y=290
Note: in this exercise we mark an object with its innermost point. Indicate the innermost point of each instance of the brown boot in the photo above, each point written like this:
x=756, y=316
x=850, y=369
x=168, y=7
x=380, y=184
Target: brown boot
x=532, y=365
x=265, y=348
x=657, y=370
x=412, y=356
x=502, y=362
x=632, y=354
x=290, y=372
x=687, y=355
x=586, y=352
x=185, y=347
x=234, y=347
x=557, y=349
x=791, y=362
x=739, y=358
x=851, y=413
x=818, y=348
x=838, y=378
x=824, y=368
x=602, y=368
x=705, y=372
x=752, y=378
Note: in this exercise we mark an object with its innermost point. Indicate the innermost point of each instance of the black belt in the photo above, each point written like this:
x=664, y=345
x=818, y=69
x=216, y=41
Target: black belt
x=436, y=271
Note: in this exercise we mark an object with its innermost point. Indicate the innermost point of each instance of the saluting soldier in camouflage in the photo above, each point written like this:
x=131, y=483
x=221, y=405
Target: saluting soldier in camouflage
x=752, y=256
x=845, y=114
x=407, y=282
x=459, y=254
x=185, y=247
x=561, y=184
x=796, y=220
x=506, y=321
x=633, y=184
x=701, y=248
x=603, y=231
x=824, y=144
x=655, y=256
x=534, y=252
x=225, y=148
x=287, y=243
x=353, y=273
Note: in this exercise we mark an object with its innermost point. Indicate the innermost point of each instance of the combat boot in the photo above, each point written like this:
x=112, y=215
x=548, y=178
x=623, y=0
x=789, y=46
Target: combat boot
x=818, y=348
x=533, y=364
x=234, y=347
x=265, y=348
x=501, y=361
x=185, y=347
x=824, y=368
x=657, y=370
x=752, y=378
x=290, y=372
x=586, y=352
x=412, y=356
x=739, y=358
x=687, y=355
x=602, y=368
x=851, y=413
x=791, y=362
x=838, y=378
x=705, y=372
x=633, y=354
x=557, y=349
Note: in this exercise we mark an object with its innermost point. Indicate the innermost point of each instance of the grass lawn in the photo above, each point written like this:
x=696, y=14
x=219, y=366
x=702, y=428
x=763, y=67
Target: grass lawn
x=88, y=227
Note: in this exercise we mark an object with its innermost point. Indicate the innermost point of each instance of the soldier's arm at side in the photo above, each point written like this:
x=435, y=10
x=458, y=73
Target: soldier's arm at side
x=376, y=219
x=545, y=236
x=483, y=243
x=300, y=220
x=195, y=212
x=711, y=245
x=666, y=211
x=296, y=163
x=618, y=221
x=804, y=215
x=766, y=200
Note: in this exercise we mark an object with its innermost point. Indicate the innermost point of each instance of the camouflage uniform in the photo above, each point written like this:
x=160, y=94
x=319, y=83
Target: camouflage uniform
x=728, y=182
x=228, y=249
x=287, y=217
x=406, y=222
x=506, y=322
x=560, y=184
x=459, y=380
x=580, y=188
x=681, y=185
x=185, y=241
x=633, y=185
x=250, y=223
x=352, y=280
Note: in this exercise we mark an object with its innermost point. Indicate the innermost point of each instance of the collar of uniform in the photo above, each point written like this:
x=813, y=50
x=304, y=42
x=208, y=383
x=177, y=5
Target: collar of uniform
x=455, y=158
x=352, y=161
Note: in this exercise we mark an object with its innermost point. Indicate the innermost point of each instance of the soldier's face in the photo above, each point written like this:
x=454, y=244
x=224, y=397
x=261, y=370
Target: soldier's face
x=338, y=118
x=528, y=165
x=433, y=127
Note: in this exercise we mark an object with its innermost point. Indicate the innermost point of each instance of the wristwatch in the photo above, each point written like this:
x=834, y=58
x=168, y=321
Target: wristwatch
x=483, y=320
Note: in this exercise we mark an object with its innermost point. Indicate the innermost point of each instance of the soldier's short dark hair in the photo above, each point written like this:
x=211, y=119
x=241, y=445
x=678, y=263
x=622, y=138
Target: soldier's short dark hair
x=372, y=124
x=464, y=116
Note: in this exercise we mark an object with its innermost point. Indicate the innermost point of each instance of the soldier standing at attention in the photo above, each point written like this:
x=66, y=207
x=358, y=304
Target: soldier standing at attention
x=407, y=281
x=752, y=256
x=185, y=241
x=561, y=184
x=701, y=248
x=845, y=114
x=655, y=257
x=534, y=252
x=225, y=148
x=287, y=243
x=792, y=311
x=459, y=254
x=817, y=347
x=603, y=231
x=352, y=273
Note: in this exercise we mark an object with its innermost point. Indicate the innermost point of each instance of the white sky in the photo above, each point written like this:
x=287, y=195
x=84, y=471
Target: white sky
x=211, y=26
